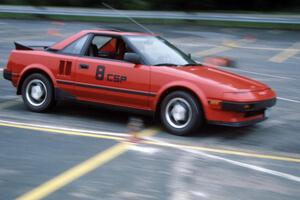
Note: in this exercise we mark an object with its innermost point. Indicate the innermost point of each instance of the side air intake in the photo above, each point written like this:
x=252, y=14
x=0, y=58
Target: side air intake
x=65, y=68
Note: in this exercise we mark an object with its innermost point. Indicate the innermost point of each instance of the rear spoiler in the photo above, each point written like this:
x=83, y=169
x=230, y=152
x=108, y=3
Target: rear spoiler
x=32, y=45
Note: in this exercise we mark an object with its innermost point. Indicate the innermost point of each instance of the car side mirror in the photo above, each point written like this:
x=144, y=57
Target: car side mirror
x=132, y=57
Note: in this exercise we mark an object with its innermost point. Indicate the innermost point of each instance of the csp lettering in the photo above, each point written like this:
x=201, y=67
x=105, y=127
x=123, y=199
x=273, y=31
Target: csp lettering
x=116, y=78
x=100, y=74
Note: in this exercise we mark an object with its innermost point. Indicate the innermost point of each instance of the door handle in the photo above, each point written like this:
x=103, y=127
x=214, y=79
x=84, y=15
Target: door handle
x=84, y=66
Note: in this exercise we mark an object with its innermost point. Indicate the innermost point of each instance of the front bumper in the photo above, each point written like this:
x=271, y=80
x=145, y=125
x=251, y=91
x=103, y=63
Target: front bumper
x=238, y=124
x=239, y=114
x=7, y=75
x=248, y=107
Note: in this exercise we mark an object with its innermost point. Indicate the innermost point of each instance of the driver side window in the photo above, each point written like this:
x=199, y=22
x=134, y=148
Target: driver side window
x=107, y=47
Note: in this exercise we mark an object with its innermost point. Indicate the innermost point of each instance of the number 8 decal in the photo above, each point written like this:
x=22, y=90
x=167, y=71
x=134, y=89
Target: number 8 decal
x=100, y=72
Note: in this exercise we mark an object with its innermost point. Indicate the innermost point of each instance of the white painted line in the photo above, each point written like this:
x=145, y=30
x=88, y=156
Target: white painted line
x=261, y=74
x=276, y=32
x=195, y=45
x=237, y=163
x=241, y=164
x=67, y=129
x=199, y=194
x=265, y=48
x=235, y=45
x=249, y=72
x=253, y=167
x=227, y=45
x=142, y=149
x=212, y=51
x=289, y=100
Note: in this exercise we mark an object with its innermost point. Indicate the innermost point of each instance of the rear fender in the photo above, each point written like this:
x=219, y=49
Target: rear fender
x=34, y=68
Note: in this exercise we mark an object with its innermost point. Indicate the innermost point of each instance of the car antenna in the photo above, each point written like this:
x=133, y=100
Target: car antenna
x=131, y=19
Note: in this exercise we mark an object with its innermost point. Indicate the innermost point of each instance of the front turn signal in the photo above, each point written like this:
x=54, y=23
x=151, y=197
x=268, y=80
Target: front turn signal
x=215, y=104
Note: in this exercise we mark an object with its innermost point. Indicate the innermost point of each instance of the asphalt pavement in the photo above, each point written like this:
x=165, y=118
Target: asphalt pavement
x=80, y=151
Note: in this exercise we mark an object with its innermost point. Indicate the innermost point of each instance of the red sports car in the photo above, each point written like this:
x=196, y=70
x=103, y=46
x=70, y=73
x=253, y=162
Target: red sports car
x=136, y=71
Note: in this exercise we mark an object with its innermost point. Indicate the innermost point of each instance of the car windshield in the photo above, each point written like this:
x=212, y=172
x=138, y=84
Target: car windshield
x=158, y=51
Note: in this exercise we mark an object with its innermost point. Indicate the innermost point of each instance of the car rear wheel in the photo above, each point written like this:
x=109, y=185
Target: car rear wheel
x=37, y=93
x=181, y=113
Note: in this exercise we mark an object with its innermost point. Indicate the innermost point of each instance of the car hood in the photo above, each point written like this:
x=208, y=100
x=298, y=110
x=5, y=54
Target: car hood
x=230, y=82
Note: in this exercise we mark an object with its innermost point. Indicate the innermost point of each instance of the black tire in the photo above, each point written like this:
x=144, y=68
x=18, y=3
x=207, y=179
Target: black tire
x=192, y=120
x=46, y=101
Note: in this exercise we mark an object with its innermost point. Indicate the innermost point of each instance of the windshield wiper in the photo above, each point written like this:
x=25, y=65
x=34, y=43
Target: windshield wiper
x=172, y=64
x=193, y=64
x=165, y=64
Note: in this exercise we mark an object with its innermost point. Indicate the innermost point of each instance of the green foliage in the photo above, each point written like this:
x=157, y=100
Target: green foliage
x=183, y=5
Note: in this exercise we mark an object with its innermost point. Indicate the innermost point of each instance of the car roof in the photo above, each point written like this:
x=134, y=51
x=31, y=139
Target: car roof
x=116, y=32
x=113, y=32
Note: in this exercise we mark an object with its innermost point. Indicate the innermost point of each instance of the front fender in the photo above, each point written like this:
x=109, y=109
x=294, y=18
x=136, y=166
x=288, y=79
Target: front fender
x=184, y=85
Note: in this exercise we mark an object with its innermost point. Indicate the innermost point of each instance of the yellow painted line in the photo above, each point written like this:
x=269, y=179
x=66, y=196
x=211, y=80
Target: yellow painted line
x=224, y=151
x=212, y=51
x=286, y=54
x=227, y=45
x=242, y=153
x=80, y=170
x=75, y=173
x=65, y=132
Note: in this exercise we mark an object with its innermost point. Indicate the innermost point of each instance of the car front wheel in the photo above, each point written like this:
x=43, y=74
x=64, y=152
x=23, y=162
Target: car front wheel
x=37, y=93
x=181, y=113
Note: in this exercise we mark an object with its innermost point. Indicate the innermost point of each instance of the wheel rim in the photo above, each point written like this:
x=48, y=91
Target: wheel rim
x=178, y=112
x=36, y=92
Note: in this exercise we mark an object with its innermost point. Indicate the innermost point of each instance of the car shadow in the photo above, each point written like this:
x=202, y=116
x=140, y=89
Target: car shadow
x=224, y=132
x=87, y=114
x=97, y=112
x=100, y=112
